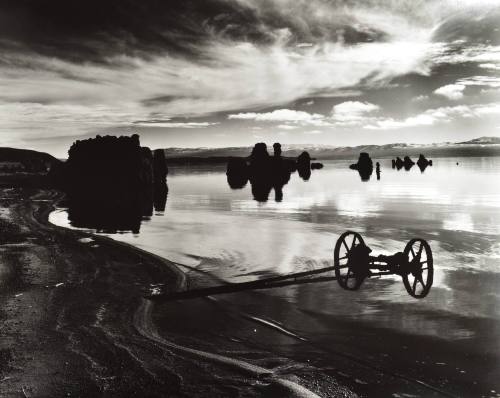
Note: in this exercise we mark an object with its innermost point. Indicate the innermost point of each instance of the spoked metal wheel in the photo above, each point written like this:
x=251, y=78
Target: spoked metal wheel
x=344, y=271
x=419, y=273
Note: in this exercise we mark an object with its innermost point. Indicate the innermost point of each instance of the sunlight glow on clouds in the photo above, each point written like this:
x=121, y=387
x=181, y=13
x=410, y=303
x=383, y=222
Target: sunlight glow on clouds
x=306, y=51
x=170, y=125
x=439, y=115
x=478, y=53
x=487, y=81
x=352, y=112
x=279, y=115
x=348, y=113
x=451, y=91
x=229, y=75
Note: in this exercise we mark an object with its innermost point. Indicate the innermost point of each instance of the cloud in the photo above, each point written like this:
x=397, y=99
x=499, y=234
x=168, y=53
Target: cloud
x=490, y=66
x=487, y=81
x=420, y=98
x=487, y=109
x=235, y=76
x=227, y=56
x=218, y=70
x=435, y=116
x=313, y=132
x=286, y=127
x=353, y=109
x=347, y=113
x=353, y=113
x=21, y=121
x=451, y=91
x=279, y=115
x=457, y=53
x=168, y=124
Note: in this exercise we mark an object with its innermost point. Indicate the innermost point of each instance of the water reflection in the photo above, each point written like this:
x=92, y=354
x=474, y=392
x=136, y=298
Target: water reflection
x=109, y=213
x=423, y=163
x=267, y=173
x=408, y=163
x=236, y=238
x=364, y=166
x=160, y=192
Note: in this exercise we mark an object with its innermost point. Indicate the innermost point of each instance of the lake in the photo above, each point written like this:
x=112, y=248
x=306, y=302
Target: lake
x=454, y=205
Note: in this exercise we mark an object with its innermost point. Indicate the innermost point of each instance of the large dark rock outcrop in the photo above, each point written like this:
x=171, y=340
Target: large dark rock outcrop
x=115, y=178
x=265, y=172
x=304, y=165
x=237, y=173
x=364, y=166
x=423, y=162
x=408, y=163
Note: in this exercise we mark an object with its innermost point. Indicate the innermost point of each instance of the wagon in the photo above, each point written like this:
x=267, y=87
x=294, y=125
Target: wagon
x=352, y=264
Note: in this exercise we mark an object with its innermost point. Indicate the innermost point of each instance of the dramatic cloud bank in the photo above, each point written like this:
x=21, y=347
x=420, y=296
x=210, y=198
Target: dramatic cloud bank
x=100, y=67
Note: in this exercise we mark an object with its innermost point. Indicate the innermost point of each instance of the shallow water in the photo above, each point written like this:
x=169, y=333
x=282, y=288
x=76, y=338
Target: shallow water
x=455, y=207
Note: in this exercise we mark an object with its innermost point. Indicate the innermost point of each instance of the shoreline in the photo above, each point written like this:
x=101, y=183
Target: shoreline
x=71, y=304
x=77, y=324
x=57, y=284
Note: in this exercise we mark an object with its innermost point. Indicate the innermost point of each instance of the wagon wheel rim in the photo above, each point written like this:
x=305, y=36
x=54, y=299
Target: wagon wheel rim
x=343, y=271
x=419, y=271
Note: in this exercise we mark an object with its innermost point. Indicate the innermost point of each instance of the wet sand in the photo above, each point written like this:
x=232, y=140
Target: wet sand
x=75, y=324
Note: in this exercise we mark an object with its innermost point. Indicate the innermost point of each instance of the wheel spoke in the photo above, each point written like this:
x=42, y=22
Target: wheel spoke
x=343, y=257
x=412, y=251
x=353, y=242
x=419, y=254
x=419, y=277
x=414, y=285
x=345, y=244
x=345, y=277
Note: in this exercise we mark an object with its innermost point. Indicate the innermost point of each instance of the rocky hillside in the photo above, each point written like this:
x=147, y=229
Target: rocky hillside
x=22, y=160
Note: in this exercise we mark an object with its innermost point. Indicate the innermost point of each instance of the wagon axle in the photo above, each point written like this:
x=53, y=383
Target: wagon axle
x=353, y=264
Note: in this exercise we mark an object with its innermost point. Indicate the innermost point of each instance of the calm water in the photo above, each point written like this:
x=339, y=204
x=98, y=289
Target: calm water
x=455, y=207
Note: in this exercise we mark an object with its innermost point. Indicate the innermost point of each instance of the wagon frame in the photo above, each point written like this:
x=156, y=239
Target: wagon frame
x=352, y=265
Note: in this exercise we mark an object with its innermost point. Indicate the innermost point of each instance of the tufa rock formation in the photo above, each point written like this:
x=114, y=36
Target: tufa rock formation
x=266, y=172
x=237, y=173
x=113, y=182
x=423, y=162
x=364, y=166
x=304, y=165
x=408, y=163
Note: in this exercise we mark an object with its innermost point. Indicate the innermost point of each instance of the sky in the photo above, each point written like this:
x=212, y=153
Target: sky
x=217, y=73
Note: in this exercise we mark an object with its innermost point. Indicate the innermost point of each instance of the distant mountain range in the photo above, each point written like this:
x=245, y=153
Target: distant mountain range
x=482, y=141
x=28, y=160
x=483, y=146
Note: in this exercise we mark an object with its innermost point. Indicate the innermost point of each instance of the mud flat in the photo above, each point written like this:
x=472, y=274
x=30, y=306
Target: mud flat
x=74, y=322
